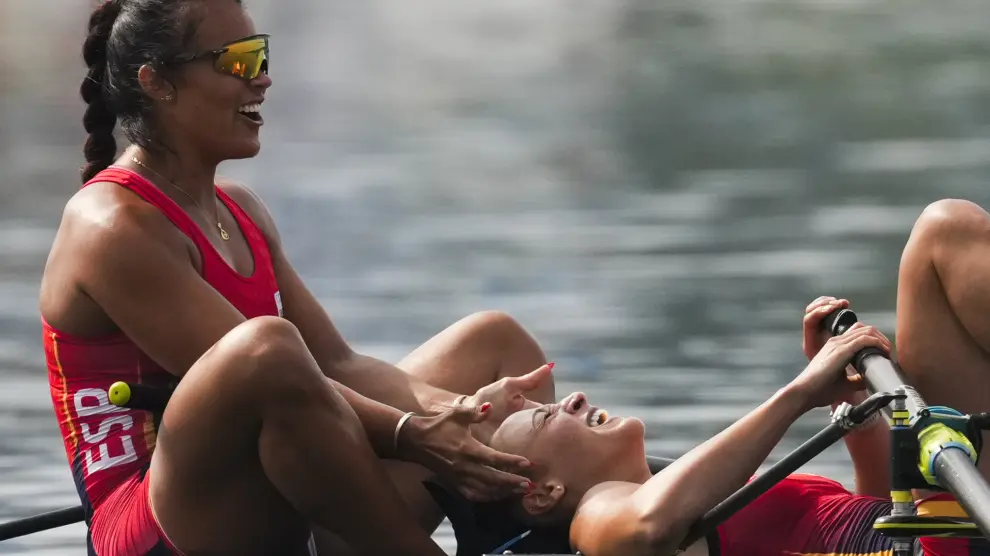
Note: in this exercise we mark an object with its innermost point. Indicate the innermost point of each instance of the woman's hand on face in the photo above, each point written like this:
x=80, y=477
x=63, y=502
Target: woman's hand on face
x=454, y=443
x=444, y=444
x=506, y=396
x=814, y=336
x=825, y=379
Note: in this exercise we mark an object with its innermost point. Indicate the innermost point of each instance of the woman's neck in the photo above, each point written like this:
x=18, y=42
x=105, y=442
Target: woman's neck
x=183, y=175
x=637, y=471
x=645, y=475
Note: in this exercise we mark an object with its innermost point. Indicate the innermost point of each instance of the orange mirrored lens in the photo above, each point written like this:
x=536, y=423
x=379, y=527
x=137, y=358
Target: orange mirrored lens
x=244, y=59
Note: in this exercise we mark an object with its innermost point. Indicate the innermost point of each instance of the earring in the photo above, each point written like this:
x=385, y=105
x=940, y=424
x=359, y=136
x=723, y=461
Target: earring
x=167, y=97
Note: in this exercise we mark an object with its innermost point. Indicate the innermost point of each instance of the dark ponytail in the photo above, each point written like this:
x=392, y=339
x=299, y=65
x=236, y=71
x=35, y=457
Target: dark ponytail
x=100, y=119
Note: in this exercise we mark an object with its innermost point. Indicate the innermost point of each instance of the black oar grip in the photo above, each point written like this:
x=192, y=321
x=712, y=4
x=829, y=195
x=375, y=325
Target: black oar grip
x=139, y=396
x=837, y=322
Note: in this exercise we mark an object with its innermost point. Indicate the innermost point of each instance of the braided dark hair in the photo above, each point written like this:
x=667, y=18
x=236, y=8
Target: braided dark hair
x=123, y=36
x=99, y=120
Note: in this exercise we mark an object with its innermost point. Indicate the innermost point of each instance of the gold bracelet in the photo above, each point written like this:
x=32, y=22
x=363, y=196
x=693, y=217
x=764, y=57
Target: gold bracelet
x=398, y=427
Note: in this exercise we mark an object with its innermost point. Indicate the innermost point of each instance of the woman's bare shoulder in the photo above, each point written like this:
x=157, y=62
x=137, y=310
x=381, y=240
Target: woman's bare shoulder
x=606, y=520
x=609, y=521
x=104, y=231
x=107, y=214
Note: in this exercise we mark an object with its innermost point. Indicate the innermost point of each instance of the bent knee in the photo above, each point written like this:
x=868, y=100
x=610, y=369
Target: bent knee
x=951, y=220
x=265, y=338
x=495, y=322
x=269, y=352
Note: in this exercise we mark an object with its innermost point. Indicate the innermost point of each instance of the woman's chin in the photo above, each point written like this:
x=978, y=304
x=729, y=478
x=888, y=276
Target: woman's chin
x=632, y=431
x=633, y=425
x=246, y=149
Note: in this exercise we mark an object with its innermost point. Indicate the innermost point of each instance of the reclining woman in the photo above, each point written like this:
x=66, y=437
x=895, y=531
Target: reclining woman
x=591, y=473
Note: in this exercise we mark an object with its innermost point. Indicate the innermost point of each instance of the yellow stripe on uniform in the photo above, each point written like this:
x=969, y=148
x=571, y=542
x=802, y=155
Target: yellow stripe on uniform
x=73, y=437
x=150, y=434
x=941, y=508
x=915, y=525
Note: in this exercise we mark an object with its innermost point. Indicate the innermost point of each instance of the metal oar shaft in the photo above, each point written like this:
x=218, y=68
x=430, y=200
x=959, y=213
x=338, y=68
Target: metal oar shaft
x=41, y=522
x=956, y=471
x=881, y=375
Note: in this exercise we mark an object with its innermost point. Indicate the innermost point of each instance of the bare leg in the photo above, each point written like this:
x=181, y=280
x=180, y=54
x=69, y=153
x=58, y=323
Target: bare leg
x=943, y=308
x=473, y=352
x=476, y=351
x=256, y=443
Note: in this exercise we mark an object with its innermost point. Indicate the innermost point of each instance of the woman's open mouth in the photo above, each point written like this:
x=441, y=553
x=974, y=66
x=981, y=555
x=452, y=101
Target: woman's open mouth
x=597, y=417
x=252, y=112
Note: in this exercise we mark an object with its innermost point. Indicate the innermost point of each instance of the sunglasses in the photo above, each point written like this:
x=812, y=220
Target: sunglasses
x=244, y=58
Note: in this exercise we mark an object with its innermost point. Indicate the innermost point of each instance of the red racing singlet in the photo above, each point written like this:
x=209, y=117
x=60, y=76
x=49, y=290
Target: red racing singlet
x=107, y=445
x=808, y=515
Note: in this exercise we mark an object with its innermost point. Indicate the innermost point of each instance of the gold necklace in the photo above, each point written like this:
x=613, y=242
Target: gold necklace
x=223, y=233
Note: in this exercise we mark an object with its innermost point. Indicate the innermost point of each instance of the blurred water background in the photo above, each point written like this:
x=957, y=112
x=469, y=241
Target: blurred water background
x=655, y=190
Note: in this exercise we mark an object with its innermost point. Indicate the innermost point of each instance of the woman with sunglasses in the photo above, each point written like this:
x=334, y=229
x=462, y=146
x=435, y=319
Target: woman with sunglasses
x=160, y=273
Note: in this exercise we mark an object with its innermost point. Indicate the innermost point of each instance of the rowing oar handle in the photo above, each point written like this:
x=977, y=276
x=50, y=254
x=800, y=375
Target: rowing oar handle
x=139, y=396
x=837, y=323
x=880, y=373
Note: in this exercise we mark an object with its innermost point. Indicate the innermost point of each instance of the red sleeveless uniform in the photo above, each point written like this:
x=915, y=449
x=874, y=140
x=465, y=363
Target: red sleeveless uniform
x=109, y=448
x=808, y=515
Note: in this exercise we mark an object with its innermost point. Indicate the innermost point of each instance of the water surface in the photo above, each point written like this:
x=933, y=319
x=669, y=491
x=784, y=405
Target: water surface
x=654, y=192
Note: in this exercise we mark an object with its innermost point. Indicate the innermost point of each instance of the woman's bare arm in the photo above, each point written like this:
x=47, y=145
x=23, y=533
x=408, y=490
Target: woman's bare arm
x=653, y=518
x=126, y=257
x=364, y=375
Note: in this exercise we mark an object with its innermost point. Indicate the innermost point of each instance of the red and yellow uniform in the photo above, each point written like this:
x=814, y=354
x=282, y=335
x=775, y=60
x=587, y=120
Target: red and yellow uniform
x=109, y=448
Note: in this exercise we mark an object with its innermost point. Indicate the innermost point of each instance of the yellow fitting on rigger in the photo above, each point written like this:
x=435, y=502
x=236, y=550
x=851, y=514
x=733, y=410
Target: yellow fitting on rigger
x=900, y=418
x=901, y=496
x=932, y=440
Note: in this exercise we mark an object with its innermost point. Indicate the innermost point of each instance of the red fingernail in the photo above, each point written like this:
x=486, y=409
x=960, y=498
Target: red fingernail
x=486, y=406
x=550, y=365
